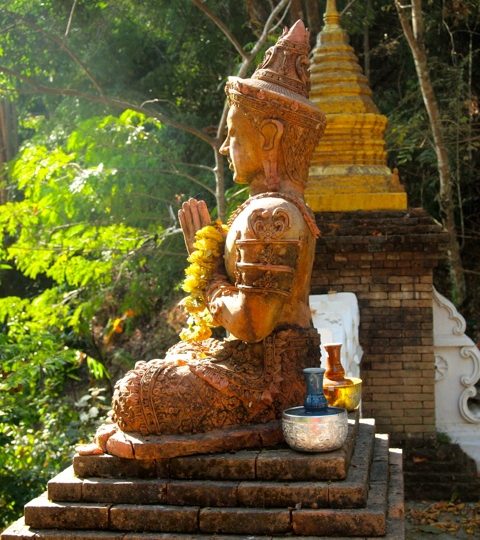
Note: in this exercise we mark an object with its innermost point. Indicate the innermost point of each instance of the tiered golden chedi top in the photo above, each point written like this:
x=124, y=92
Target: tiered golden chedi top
x=348, y=170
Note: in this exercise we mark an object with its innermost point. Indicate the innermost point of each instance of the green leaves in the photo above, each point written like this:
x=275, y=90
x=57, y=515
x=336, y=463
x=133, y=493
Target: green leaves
x=89, y=245
x=91, y=252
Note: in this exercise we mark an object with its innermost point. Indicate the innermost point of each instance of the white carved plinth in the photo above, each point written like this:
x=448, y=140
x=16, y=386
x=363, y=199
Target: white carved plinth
x=337, y=318
x=457, y=378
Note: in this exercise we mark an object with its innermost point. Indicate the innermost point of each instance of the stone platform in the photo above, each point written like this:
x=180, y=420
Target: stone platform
x=354, y=492
x=160, y=447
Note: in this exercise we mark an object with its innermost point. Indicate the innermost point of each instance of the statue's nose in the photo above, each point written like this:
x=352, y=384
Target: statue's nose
x=224, y=149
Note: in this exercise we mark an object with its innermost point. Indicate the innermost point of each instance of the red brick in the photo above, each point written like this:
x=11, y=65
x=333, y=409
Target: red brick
x=134, y=491
x=244, y=521
x=129, y=517
x=202, y=493
x=283, y=495
x=235, y=466
x=43, y=514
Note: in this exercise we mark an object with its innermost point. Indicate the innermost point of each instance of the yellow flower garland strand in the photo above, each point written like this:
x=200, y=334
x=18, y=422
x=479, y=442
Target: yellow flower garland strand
x=209, y=244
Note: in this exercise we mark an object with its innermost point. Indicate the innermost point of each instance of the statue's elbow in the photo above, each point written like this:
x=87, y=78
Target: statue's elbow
x=253, y=331
x=251, y=336
x=249, y=321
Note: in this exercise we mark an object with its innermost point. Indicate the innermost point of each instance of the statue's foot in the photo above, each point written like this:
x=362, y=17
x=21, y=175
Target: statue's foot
x=99, y=445
x=90, y=449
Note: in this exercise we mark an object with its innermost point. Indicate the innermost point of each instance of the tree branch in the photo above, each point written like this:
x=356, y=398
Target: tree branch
x=188, y=177
x=417, y=21
x=347, y=7
x=195, y=166
x=200, y=4
x=405, y=23
x=281, y=19
x=267, y=29
x=109, y=101
x=62, y=45
x=70, y=18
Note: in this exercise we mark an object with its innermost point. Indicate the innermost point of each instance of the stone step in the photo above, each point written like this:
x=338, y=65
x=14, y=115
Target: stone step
x=266, y=464
x=348, y=493
x=19, y=531
x=368, y=521
x=353, y=491
x=383, y=515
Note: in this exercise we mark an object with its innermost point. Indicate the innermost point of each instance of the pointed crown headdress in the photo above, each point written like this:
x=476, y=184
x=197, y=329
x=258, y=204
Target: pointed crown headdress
x=280, y=84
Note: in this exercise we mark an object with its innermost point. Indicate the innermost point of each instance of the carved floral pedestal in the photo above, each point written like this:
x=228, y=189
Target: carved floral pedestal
x=354, y=492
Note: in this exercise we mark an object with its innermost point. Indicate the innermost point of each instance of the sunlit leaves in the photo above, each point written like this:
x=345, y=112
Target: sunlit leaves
x=75, y=227
x=89, y=226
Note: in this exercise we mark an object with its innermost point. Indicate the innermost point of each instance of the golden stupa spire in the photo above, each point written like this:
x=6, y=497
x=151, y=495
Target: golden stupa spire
x=331, y=16
x=349, y=167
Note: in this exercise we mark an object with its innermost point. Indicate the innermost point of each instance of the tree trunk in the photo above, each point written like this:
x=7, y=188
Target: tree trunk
x=220, y=185
x=8, y=141
x=313, y=19
x=257, y=11
x=414, y=34
x=366, y=40
x=296, y=11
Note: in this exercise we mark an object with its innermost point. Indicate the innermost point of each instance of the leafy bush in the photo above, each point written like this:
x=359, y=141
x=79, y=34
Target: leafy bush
x=89, y=229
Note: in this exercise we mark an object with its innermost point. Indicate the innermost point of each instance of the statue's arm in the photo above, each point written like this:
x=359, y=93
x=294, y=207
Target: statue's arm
x=251, y=304
x=249, y=315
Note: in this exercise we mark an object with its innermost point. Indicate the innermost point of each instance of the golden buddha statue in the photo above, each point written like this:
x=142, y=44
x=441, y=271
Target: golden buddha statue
x=259, y=289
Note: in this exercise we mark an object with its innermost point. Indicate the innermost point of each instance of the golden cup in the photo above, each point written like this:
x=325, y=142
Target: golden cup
x=346, y=395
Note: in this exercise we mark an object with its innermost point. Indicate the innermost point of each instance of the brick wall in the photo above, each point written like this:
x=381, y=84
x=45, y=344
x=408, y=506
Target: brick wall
x=387, y=260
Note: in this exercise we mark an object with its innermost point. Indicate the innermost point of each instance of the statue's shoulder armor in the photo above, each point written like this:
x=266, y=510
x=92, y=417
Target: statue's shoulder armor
x=291, y=204
x=265, y=239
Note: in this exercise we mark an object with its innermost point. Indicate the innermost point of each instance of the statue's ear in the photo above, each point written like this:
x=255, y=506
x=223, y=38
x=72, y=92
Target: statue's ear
x=271, y=131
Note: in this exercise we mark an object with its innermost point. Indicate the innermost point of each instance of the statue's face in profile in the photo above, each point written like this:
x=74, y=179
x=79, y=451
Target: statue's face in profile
x=243, y=146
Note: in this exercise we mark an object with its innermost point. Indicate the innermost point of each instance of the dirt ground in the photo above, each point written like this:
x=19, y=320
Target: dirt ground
x=441, y=520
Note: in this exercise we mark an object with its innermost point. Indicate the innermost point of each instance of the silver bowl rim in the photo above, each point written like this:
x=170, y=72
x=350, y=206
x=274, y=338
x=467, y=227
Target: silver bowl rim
x=339, y=416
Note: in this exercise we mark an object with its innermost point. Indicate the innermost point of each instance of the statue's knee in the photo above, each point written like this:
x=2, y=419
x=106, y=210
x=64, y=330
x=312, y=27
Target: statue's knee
x=130, y=381
x=126, y=397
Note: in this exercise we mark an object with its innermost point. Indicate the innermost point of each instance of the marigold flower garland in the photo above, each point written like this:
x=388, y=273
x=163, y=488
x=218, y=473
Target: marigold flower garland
x=209, y=244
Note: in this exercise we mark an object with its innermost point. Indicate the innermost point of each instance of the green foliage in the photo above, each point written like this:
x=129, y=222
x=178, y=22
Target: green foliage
x=86, y=220
x=90, y=222
x=89, y=246
x=39, y=421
